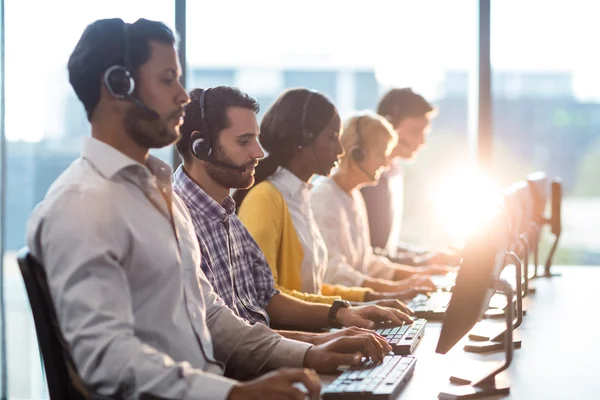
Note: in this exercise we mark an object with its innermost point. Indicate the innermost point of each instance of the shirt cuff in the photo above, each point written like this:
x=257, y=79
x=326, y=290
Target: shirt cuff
x=205, y=387
x=382, y=268
x=358, y=294
x=352, y=280
x=288, y=353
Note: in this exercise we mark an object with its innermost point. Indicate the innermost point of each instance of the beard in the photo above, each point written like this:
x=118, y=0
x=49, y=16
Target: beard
x=226, y=177
x=147, y=130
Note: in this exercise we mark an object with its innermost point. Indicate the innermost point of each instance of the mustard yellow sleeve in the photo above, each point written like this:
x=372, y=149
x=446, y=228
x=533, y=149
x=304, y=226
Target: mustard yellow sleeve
x=265, y=215
x=259, y=213
x=345, y=292
x=312, y=298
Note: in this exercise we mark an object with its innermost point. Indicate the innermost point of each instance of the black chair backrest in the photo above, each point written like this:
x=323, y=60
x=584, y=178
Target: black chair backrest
x=64, y=382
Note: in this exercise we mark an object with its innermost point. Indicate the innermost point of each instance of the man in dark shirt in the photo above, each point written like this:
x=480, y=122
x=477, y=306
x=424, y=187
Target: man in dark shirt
x=410, y=115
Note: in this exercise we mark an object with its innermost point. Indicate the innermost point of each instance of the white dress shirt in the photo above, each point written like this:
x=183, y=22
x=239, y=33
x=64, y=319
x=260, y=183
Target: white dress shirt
x=122, y=261
x=296, y=195
x=344, y=225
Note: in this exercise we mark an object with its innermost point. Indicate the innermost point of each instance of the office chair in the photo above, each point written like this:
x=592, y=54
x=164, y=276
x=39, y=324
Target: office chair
x=64, y=382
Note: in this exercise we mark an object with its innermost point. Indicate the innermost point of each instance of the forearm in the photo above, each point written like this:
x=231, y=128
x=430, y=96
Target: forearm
x=288, y=312
x=247, y=347
x=379, y=285
x=385, y=286
x=403, y=271
x=306, y=337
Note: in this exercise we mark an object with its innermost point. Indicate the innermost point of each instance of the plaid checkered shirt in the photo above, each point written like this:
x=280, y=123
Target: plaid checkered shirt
x=231, y=259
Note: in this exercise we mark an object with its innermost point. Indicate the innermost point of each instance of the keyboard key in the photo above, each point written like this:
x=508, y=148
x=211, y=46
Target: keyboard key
x=354, y=374
x=344, y=375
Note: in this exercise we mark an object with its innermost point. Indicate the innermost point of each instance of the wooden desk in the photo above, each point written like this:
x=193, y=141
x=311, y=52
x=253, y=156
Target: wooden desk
x=557, y=360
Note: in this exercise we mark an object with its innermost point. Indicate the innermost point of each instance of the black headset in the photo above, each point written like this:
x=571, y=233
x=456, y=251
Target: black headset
x=117, y=78
x=359, y=154
x=119, y=81
x=307, y=136
x=201, y=140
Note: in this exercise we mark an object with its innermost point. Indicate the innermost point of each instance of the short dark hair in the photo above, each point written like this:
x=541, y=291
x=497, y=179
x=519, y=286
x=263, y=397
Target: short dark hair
x=102, y=45
x=216, y=103
x=398, y=104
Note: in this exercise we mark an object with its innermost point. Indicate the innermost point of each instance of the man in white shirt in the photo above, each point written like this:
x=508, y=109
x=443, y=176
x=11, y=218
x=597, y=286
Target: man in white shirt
x=120, y=252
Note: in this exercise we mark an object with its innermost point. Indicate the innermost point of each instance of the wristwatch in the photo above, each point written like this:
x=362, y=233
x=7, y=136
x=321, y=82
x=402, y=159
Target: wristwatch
x=337, y=304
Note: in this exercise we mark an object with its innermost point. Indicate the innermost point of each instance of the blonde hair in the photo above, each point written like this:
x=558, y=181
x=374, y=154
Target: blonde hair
x=373, y=128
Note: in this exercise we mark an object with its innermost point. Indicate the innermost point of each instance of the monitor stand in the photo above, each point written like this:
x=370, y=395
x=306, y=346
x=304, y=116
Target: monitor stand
x=487, y=386
x=547, y=272
x=525, y=245
x=492, y=339
x=536, y=249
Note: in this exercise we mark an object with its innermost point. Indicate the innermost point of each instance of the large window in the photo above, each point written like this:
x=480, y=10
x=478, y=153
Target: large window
x=353, y=52
x=45, y=124
x=3, y=371
x=546, y=108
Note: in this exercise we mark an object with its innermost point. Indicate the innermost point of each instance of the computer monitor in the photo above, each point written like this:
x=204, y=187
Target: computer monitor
x=555, y=221
x=518, y=198
x=539, y=188
x=516, y=203
x=482, y=263
x=478, y=279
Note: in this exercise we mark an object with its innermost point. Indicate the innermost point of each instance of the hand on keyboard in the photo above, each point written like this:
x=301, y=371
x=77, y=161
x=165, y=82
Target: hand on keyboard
x=383, y=299
x=349, y=350
x=449, y=256
x=393, y=303
x=437, y=269
x=419, y=281
x=370, y=315
x=277, y=385
x=323, y=338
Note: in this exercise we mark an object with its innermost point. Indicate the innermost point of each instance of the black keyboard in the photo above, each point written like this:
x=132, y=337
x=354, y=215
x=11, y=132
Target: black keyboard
x=405, y=338
x=372, y=381
x=432, y=308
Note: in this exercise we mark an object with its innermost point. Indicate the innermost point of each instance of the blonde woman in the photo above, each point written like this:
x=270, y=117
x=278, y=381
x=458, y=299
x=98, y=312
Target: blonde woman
x=339, y=210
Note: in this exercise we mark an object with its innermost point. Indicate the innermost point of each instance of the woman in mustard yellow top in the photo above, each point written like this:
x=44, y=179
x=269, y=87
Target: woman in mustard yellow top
x=300, y=132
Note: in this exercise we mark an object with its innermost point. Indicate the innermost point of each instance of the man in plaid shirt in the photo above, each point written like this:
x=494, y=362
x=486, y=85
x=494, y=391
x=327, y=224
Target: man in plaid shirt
x=220, y=150
x=247, y=286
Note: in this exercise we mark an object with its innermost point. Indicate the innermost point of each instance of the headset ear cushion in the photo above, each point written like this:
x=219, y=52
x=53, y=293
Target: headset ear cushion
x=119, y=81
x=307, y=138
x=358, y=155
x=199, y=146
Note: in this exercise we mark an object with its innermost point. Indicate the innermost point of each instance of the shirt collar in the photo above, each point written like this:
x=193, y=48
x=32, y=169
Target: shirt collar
x=109, y=161
x=289, y=182
x=197, y=199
